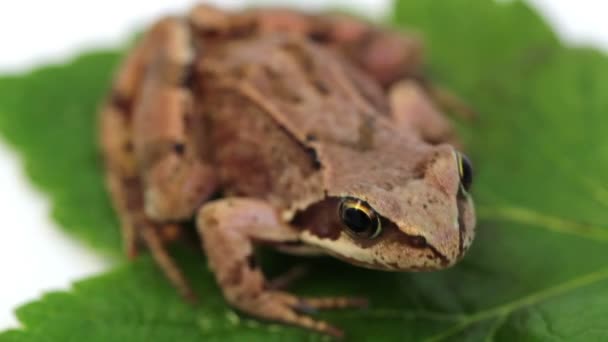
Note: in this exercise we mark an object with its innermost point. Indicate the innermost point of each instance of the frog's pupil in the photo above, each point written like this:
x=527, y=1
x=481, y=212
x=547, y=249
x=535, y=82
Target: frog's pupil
x=466, y=178
x=357, y=220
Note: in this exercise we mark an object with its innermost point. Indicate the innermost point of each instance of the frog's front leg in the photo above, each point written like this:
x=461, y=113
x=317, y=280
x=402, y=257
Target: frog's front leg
x=230, y=228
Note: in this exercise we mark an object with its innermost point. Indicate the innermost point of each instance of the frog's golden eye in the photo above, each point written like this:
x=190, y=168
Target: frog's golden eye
x=359, y=218
x=465, y=169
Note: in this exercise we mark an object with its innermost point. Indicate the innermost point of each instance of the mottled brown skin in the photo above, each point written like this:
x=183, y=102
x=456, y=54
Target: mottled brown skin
x=285, y=114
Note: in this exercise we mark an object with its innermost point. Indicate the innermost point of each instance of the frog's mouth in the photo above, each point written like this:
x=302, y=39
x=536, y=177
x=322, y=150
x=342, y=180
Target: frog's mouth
x=460, y=203
x=465, y=226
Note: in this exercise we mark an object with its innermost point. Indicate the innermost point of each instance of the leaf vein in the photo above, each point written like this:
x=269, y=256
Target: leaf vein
x=534, y=298
x=547, y=222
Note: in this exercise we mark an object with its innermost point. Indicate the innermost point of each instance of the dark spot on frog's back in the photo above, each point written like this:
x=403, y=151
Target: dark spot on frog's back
x=121, y=102
x=179, y=149
x=319, y=36
x=310, y=137
x=308, y=67
x=128, y=147
x=316, y=163
x=271, y=73
x=279, y=86
x=366, y=134
x=422, y=166
x=298, y=52
x=252, y=262
x=321, y=87
x=388, y=186
x=188, y=78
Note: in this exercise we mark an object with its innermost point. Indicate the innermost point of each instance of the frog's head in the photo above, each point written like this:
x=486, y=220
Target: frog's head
x=406, y=210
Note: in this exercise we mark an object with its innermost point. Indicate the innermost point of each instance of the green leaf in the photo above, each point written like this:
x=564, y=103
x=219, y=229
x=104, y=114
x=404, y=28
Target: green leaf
x=49, y=116
x=538, y=269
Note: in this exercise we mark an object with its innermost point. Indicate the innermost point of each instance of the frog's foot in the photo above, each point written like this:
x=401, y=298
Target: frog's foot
x=284, y=307
x=289, y=309
x=230, y=228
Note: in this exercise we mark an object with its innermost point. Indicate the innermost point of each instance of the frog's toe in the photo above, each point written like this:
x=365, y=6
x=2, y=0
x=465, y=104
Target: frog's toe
x=329, y=303
x=308, y=322
x=289, y=309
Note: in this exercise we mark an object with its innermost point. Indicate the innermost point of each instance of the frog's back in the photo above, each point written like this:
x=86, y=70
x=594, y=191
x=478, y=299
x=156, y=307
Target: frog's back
x=307, y=87
x=268, y=100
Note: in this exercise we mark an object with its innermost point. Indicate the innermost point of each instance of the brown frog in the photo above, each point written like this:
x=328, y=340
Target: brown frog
x=316, y=130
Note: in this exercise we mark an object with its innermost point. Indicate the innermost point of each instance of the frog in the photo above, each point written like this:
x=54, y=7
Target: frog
x=311, y=133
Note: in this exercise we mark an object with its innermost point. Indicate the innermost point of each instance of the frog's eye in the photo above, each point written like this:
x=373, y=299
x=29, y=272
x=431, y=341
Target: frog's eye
x=465, y=169
x=359, y=218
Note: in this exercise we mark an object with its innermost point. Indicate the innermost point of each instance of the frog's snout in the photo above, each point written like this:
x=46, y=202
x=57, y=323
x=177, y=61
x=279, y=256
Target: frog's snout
x=449, y=175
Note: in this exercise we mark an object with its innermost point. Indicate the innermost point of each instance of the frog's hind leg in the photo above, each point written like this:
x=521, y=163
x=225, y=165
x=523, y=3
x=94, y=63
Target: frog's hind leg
x=123, y=144
x=388, y=56
x=168, y=133
x=413, y=110
x=126, y=193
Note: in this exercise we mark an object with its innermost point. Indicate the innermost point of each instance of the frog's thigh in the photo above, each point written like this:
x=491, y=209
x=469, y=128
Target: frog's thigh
x=116, y=141
x=229, y=228
x=175, y=178
x=125, y=191
x=122, y=170
x=412, y=109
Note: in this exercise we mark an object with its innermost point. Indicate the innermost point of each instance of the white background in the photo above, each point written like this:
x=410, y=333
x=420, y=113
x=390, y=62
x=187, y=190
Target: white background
x=35, y=256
